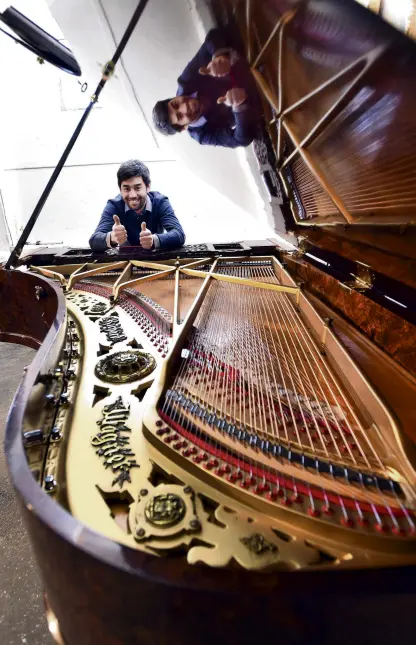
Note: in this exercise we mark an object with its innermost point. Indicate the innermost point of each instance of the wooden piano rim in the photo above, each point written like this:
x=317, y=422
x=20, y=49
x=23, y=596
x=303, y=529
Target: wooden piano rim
x=150, y=568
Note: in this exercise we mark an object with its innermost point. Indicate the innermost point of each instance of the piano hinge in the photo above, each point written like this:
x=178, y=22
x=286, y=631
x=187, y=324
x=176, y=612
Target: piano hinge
x=303, y=245
x=363, y=279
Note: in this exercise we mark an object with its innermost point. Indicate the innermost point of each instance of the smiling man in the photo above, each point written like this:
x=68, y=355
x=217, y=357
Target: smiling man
x=137, y=216
x=216, y=100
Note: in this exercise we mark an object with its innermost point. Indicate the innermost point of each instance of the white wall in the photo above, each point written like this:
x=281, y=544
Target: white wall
x=41, y=107
x=74, y=206
x=4, y=233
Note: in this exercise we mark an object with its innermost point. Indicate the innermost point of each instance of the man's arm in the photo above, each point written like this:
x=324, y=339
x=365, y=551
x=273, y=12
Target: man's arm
x=98, y=240
x=215, y=41
x=175, y=236
x=242, y=135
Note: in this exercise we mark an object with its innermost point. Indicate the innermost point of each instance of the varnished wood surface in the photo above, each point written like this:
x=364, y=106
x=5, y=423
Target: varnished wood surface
x=354, y=134
x=163, y=600
x=391, y=252
x=28, y=308
x=394, y=335
x=393, y=383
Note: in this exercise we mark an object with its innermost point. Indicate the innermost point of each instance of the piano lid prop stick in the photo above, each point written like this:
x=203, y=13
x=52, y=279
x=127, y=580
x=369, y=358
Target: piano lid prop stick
x=107, y=72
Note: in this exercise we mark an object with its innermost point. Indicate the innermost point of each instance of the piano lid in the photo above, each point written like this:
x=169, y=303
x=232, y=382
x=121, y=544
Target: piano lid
x=338, y=83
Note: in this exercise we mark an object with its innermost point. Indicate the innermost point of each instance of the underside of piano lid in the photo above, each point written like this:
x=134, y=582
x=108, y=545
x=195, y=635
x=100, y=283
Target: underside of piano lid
x=337, y=87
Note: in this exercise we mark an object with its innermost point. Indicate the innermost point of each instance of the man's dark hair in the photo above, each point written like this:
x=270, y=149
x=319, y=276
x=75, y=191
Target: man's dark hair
x=161, y=118
x=133, y=168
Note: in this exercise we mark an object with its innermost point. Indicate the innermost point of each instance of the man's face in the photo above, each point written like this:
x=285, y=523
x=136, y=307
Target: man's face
x=134, y=192
x=183, y=110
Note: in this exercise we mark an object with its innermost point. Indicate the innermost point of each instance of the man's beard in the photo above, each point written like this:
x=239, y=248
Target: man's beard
x=138, y=205
x=196, y=110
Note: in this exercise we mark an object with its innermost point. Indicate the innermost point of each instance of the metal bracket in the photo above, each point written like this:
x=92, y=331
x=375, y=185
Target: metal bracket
x=363, y=279
x=300, y=250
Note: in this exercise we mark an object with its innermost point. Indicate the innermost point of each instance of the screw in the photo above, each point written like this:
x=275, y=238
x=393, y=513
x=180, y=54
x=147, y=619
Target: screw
x=50, y=483
x=195, y=525
x=140, y=532
x=40, y=293
x=188, y=490
x=143, y=492
x=56, y=434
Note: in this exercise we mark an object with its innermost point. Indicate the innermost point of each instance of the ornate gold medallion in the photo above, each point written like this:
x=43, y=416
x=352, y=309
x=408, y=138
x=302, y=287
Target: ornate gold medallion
x=123, y=367
x=165, y=510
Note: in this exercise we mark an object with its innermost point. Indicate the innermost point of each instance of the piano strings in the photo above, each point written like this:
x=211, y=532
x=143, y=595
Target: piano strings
x=252, y=379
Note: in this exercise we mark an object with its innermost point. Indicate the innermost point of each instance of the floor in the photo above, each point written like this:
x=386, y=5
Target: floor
x=21, y=604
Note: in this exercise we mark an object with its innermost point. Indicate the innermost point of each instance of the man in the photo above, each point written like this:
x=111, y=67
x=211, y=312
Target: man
x=137, y=216
x=216, y=101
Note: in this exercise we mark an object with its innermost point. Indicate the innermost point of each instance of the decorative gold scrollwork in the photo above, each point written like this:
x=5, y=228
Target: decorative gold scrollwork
x=112, y=445
x=112, y=328
x=258, y=544
x=252, y=544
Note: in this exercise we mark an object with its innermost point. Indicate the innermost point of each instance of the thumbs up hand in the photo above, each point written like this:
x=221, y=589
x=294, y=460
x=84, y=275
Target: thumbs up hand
x=118, y=232
x=146, y=237
x=219, y=67
x=234, y=97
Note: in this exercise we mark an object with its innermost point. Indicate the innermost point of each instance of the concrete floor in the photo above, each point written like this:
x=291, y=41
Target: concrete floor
x=21, y=604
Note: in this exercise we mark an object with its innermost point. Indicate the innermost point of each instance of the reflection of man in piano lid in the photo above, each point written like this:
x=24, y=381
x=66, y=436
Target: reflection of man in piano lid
x=137, y=216
x=216, y=100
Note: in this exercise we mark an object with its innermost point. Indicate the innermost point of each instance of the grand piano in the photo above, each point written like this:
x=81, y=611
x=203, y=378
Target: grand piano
x=218, y=442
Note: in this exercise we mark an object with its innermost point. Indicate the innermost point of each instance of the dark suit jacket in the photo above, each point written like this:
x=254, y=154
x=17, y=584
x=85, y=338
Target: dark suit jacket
x=161, y=220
